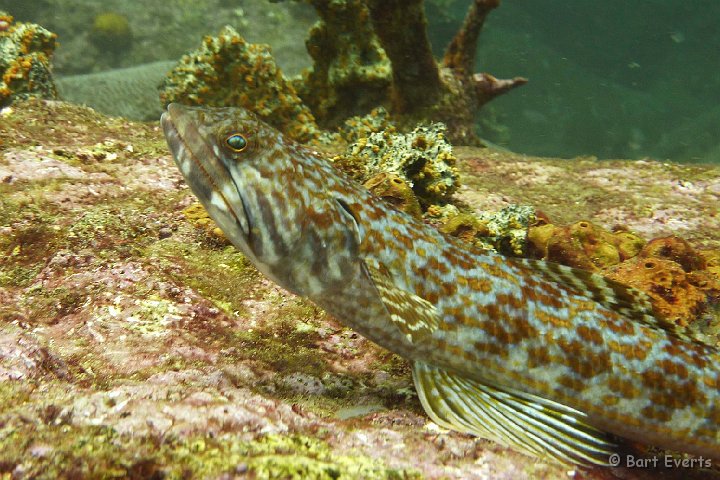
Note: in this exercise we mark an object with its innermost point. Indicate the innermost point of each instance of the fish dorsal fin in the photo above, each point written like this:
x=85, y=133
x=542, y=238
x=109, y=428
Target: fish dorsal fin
x=414, y=316
x=531, y=424
x=618, y=297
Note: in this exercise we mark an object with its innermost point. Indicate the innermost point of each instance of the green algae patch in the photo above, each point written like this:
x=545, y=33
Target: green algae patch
x=106, y=228
x=282, y=348
x=47, y=444
x=294, y=457
x=223, y=276
x=48, y=305
x=24, y=249
x=18, y=276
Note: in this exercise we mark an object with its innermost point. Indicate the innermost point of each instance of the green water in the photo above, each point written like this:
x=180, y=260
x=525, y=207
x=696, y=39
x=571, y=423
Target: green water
x=613, y=79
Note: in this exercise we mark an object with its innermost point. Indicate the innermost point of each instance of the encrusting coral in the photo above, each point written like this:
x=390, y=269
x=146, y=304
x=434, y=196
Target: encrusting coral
x=673, y=295
x=366, y=54
x=423, y=158
x=672, y=273
x=351, y=72
x=582, y=245
x=226, y=70
x=396, y=191
x=25, y=53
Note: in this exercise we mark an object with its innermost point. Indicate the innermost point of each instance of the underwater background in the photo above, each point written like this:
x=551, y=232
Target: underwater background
x=610, y=79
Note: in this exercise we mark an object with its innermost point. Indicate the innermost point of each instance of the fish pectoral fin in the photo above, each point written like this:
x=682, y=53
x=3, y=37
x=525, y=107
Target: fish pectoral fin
x=529, y=423
x=414, y=316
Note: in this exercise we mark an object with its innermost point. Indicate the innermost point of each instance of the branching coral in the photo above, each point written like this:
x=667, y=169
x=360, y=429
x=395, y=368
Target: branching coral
x=460, y=56
x=401, y=27
x=351, y=73
x=422, y=89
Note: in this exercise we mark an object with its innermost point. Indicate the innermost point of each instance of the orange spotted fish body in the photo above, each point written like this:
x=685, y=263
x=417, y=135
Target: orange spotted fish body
x=542, y=357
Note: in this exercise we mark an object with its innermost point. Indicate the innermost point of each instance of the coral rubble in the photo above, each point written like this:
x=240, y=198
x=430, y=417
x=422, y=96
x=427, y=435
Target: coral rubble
x=25, y=53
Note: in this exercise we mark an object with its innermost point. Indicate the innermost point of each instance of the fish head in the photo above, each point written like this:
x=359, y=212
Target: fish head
x=267, y=194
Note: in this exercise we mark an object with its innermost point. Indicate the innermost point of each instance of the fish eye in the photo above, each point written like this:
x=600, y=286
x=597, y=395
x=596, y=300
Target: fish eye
x=236, y=142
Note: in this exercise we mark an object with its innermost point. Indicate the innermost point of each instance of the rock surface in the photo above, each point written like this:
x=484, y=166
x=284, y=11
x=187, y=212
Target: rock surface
x=134, y=345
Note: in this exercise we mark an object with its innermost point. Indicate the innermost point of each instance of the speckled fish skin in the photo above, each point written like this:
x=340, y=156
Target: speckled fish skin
x=548, y=330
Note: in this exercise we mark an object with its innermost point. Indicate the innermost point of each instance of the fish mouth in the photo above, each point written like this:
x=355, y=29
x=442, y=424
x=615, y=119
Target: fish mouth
x=205, y=173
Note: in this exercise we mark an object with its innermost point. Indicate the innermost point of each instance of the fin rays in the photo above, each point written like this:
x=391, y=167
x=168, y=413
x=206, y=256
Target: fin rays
x=623, y=299
x=524, y=421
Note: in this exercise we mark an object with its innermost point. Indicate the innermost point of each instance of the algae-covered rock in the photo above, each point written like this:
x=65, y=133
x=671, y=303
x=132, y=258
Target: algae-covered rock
x=25, y=53
x=351, y=73
x=505, y=231
x=396, y=191
x=366, y=55
x=362, y=126
x=228, y=71
x=422, y=157
x=712, y=260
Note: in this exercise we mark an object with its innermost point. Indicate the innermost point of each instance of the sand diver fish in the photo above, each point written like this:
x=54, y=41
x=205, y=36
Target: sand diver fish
x=547, y=359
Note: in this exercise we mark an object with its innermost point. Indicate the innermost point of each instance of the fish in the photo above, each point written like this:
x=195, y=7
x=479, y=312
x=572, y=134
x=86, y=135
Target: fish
x=555, y=362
